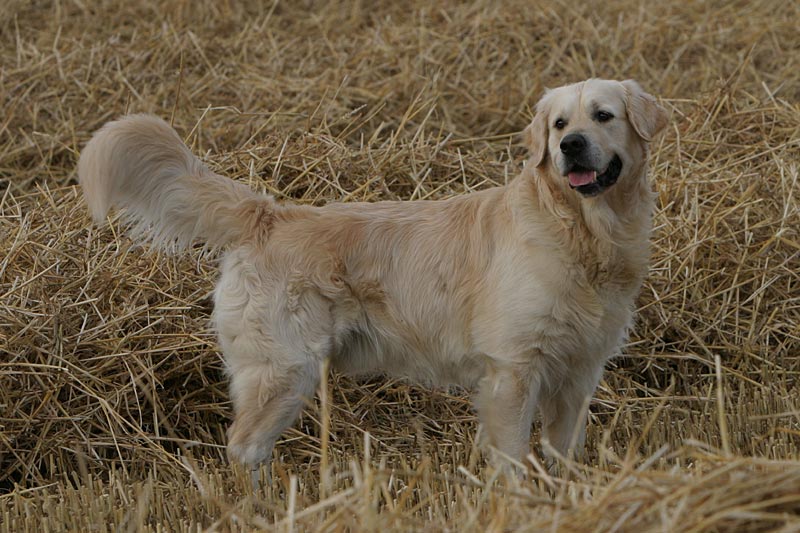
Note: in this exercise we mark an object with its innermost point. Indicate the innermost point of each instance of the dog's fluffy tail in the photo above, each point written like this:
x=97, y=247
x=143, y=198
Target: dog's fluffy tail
x=171, y=197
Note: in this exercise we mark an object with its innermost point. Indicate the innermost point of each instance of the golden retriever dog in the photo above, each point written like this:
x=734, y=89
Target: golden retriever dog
x=521, y=292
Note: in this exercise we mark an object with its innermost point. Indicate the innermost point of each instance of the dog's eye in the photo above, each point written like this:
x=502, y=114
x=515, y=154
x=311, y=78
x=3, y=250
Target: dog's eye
x=559, y=124
x=603, y=116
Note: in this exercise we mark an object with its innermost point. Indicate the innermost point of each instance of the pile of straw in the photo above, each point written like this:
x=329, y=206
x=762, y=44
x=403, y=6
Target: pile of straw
x=113, y=402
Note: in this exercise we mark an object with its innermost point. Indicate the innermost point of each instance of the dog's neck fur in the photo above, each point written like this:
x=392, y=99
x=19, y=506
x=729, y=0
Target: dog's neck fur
x=593, y=226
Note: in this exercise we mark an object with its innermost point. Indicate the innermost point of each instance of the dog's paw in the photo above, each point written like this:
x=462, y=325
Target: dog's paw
x=245, y=448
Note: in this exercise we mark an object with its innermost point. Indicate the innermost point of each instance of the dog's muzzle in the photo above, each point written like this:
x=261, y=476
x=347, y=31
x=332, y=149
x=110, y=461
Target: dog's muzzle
x=582, y=175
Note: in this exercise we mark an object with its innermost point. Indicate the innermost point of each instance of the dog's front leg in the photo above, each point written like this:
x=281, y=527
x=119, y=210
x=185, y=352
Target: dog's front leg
x=506, y=402
x=564, y=411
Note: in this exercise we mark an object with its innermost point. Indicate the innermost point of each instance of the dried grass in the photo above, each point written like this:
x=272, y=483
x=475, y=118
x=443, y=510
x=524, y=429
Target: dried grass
x=112, y=399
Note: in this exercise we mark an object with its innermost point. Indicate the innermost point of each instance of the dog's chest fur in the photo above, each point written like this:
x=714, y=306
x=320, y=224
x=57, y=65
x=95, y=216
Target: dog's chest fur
x=615, y=258
x=567, y=292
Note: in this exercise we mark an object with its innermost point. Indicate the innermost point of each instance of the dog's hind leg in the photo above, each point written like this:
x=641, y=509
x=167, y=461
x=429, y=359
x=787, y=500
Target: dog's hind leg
x=267, y=399
x=274, y=338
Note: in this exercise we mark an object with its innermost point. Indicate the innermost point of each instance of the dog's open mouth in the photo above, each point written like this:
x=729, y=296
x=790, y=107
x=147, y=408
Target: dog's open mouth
x=589, y=183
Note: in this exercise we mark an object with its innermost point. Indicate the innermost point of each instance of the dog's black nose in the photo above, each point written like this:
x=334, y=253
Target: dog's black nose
x=573, y=144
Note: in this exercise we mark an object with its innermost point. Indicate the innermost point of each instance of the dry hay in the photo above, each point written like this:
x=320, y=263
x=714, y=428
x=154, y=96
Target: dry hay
x=113, y=402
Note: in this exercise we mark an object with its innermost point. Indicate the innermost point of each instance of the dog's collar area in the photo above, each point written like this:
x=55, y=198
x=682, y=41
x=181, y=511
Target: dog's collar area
x=602, y=181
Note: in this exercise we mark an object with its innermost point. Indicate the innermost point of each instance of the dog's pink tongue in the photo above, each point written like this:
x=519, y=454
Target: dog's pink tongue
x=576, y=179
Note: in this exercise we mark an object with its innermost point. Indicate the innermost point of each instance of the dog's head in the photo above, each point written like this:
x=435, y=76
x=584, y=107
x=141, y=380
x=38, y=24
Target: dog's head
x=594, y=133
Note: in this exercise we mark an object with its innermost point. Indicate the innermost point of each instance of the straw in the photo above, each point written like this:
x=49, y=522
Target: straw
x=113, y=399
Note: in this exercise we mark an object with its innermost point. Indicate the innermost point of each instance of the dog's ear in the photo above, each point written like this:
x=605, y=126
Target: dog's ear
x=535, y=135
x=645, y=115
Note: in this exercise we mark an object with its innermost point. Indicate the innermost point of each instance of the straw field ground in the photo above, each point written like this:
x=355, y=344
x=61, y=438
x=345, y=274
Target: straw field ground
x=113, y=400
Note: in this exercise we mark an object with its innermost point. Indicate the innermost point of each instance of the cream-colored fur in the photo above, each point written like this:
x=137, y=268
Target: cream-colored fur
x=522, y=291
